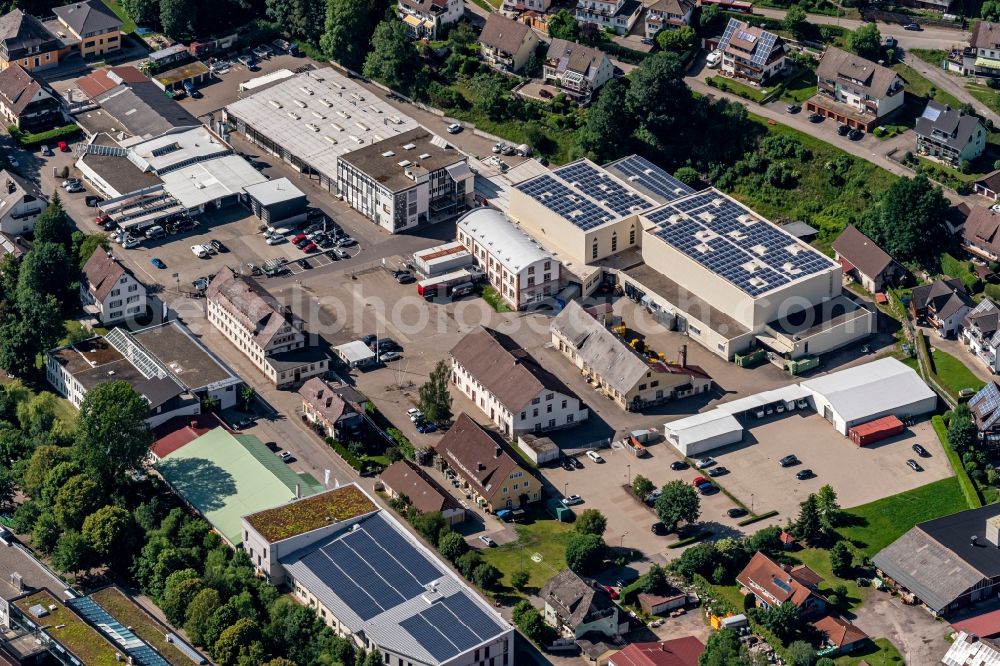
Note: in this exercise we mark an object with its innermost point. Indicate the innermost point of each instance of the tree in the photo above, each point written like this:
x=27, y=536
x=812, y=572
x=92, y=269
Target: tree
x=452, y=546
x=677, y=501
x=27, y=330
x=88, y=245
x=54, y=225
x=801, y=653
x=866, y=41
x=110, y=531
x=392, y=58
x=468, y=562
x=178, y=595
x=603, y=134
x=435, y=399
x=721, y=649
x=591, y=521
x=45, y=533
x=234, y=640
x=40, y=465
x=962, y=430
x=699, y=559
x=782, y=620
x=178, y=18
x=660, y=101
x=520, y=610
x=563, y=25
x=990, y=10
x=519, y=579
x=766, y=540
x=841, y=559
x=809, y=525
x=486, y=576
x=642, y=487
x=112, y=436
x=298, y=18
x=45, y=270
x=826, y=501
x=688, y=176
x=280, y=661
x=909, y=221
x=71, y=554
x=491, y=94
x=429, y=525
x=76, y=500
x=655, y=581
x=679, y=40
x=795, y=19
x=585, y=553
x=348, y=30
x=143, y=12
x=199, y=612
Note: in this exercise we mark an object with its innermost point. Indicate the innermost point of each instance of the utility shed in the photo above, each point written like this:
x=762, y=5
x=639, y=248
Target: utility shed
x=699, y=433
x=275, y=200
x=866, y=392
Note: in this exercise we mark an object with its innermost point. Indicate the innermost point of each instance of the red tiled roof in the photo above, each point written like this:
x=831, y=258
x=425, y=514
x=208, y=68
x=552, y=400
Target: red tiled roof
x=984, y=625
x=675, y=652
x=838, y=631
x=99, y=82
x=766, y=578
x=181, y=431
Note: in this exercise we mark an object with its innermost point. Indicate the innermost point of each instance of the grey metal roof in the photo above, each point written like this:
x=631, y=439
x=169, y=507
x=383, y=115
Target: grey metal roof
x=144, y=110
x=88, y=17
x=379, y=581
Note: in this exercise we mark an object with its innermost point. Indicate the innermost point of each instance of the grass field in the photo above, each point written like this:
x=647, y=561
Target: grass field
x=918, y=86
x=800, y=87
x=930, y=56
x=955, y=374
x=128, y=25
x=544, y=537
x=880, y=653
x=728, y=85
x=877, y=524
x=986, y=96
x=819, y=561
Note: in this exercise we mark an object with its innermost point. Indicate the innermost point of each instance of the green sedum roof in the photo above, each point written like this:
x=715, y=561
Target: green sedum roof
x=226, y=476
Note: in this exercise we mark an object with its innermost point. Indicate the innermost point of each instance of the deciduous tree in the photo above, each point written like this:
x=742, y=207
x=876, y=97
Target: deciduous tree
x=452, y=546
x=866, y=41
x=199, y=612
x=591, y=521
x=585, y=553
x=605, y=135
x=909, y=221
x=145, y=13
x=74, y=501
x=112, y=436
x=392, y=58
x=72, y=553
x=677, y=501
x=435, y=399
x=111, y=532
x=642, y=486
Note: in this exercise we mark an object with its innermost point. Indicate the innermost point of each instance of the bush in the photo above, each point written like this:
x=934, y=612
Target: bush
x=29, y=140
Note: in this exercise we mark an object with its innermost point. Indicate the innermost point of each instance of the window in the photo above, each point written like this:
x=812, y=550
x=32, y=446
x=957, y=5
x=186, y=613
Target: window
x=535, y=401
x=654, y=383
x=524, y=415
x=593, y=251
x=564, y=404
x=534, y=412
x=631, y=236
x=548, y=409
x=552, y=423
x=569, y=418
x=694, y=329
x=642, y=387
x=614, y=242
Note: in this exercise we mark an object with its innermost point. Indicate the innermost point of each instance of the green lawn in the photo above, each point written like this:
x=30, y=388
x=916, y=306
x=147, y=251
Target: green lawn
x=987, y=96
x=918, y=86
x=539, y=535
x=877, y=524
x=880, y=653
x=930, y=56
x=953, y=373
x=818, y=560
x=800, y=87
x=728, y=85
x=128, y=25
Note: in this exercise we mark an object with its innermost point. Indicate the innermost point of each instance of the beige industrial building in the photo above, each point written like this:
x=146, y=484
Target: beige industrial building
x=701, y=262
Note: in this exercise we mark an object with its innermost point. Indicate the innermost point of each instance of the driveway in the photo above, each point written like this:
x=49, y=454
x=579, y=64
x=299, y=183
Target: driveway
x=918, y=636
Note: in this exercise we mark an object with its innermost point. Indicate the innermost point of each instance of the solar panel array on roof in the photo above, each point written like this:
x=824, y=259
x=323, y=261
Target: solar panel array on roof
x=643, y=173
x=561, y=200
x=986, y=405
x=451, y=626
x=764, y=46
x=602, y=187
x=729, y=240
x=140, y=652
x=728, y=33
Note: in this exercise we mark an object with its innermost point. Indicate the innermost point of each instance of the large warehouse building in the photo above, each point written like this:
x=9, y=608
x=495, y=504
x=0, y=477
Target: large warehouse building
x=312, y=119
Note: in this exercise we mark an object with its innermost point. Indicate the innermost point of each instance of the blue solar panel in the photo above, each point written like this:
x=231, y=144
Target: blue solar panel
x=561, y=200
x=116, y=632
x=603, y=188
x=392, y=541
x=473, y=615
x=432, y=640
x=362, y=573
x=386, y=565
x=352, y=594
x=441, y=617
x=642, y=173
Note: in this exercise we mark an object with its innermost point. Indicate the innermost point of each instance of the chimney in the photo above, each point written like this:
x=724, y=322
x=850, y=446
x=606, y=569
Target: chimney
x=498, y=451
x=684, y=355
x=972, y=540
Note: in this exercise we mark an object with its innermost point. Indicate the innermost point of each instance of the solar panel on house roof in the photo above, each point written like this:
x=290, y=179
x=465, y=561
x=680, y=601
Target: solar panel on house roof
x=451, y=625
x=561, y=200
x=732, y=242
x=602, y=187
x=986, y=404
x=728, y=33
x=641, y=172
x=763, y=49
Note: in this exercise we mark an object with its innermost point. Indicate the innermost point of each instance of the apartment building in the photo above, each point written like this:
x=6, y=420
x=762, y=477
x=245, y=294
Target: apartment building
x=518, y=268
x=942, y=305
x=405, y=181
x=267, y=333
x=506, y=44
x=109, y=291
x=949, y=134
x=854, y=91
x=750, y=53
x=21, y=202
x=617, y=15
x=26, y=102
x=576, y=69
x=509, y=386
x=981, y=233
x=668, y=15
x=425, y=19
x=982, y=56
x=94, y=30
x=980, y=330
x=25, y=41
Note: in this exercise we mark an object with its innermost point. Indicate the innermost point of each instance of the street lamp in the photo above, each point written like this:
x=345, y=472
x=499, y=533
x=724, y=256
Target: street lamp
x=566, y=489
x=751, y=502
x=628, y=474
x=621, y=542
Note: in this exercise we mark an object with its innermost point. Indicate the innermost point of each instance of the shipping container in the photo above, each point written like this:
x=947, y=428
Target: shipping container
x=873, y=431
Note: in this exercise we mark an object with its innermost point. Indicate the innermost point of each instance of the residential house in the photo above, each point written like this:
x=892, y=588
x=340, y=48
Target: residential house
x=985, y=408
x=404, y=478
x=617, y=15
x=839, y=635
x=426, y=18
x=575, y=606
x=865, y=261
x=981, y=232
x=506, y=44
x=941, y=305
x=21, y=202
x=532, y=10
x=949, y=134
x=773, y=584
x=979, y=333
x=510, y=387
x=16, y=246
x=25, y=41
x=982, y=56
x=327, y=410
x=373, y=582
x=683, y=651
x=267, y=333
x=26, y=102
x=617, y=370
x=945, y=564
x=854, y=91
x=578, y=70
x=109, y=291
x=480, y=460
x=750, y=53
x=668, y=15
x=971, y=649
x=97, y=30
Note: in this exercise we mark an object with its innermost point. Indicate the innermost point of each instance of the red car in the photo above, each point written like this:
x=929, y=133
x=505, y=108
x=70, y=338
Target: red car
x=63, y=146
x=300, y=237
x=102, y=219
x=698, y=480
x=309, y=248
x=610, y=590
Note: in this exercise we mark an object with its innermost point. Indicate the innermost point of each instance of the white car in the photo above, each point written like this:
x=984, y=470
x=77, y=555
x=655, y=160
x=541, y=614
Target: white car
x=713, y=59
x=705, y=462
x=414, y=414
x=276, y=240
x=593, y=455
x=488, y=541
x=454, y=128
x=572, y=499
x=130, y=242
x=199, y=251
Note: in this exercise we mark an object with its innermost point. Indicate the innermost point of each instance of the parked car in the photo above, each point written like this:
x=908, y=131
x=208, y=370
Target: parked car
x=920, y=451
x=736, y=512
x=276, y=240
x=576, y=462
x=129, y=242
x=802, y=403
x=912, y=26
x=262, y=52
x=718, y=471
x=72, y=188
x=595, y=456
x=287, y=457
x=304, y=263
x=653, y=496
x=92, y=200
x=659, y=529
x=415, y=414
x=405, y=278
x=572, y=500
x=612, y=592
x=454, y=128
x=346, y=241
x=843, y=130
x=804, y=474
x=158, y=263
x=566, y=464
x=678, y=465
x=544, y=94
x=63, y=147
x=69, y=181
x=815, y=118
x=426, y=427
x=218, y=246
x=793, y=108
x=46, y=151
x=708, y=488
x=788, y=461
x=705, y=462
x=488, y=541
x=389, y=356
x=340, y=253
x=388, y=344
x=309, y=247
x=698, y=480
x=199, y=251
x=856, y=135
x=914, y=465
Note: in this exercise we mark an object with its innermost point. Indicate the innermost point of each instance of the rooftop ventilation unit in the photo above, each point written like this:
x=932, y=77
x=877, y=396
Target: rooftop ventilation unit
x=312, y=127
x=375, y=109
x=294, y=116
x=388, y=153
x=330, y=139
x=343, y=114
x=299, y=103
x=325, y=102
x=424, y=156
x=306, y=89
x=337, y=127
x=317, y=114
x=275, y=103
x=362, y=126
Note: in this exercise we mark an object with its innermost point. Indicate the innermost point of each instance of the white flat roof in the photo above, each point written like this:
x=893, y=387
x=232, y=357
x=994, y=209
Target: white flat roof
x=354, y=351
x=871, y=388
x=165, y=151
x=274, y=191
x=785, y=394
x=508, y=244
x=700, y=427
x=200, y=183
x=319, y=116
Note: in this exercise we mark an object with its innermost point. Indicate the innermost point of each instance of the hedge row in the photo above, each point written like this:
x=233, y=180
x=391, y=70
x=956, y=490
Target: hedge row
x=357, y=463
x=756, y=519
x=704, y=534
x=29, y=140
x=972, y=497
